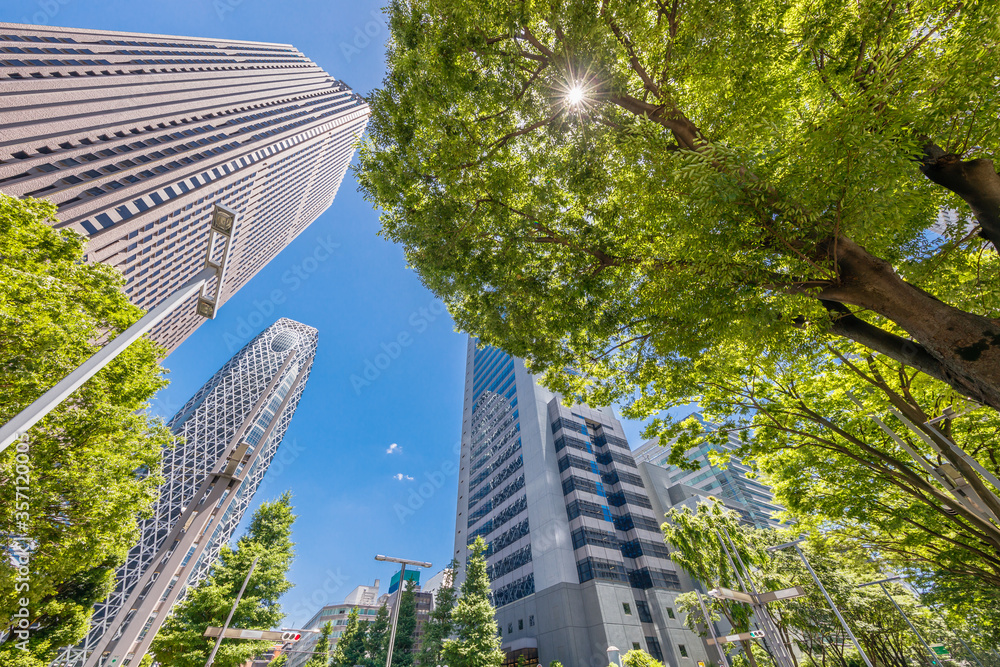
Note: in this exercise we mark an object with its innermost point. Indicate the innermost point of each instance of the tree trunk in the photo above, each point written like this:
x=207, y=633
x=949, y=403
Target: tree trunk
x=975, y=181
x=958, y=347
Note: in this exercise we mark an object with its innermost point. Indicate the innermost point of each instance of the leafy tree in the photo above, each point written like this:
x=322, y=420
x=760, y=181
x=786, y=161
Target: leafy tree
x=835, y=468
x=279, y=661
x=696, y=538
x=439, y=626
x=93, y=463
x=180, y=643
x=477, y=639
x=321, y=651
x=352, y=646
x=377, y=638
x=406, y=627
x=626, y=188
x=636, y=658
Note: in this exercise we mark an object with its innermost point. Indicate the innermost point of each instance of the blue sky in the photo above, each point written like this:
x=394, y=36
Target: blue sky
x=347, y=444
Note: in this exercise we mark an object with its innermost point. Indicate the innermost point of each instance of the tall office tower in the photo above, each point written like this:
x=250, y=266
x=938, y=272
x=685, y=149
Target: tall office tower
x=134, y=137
x=576, y=558
x=231, y=429
x=734, y=486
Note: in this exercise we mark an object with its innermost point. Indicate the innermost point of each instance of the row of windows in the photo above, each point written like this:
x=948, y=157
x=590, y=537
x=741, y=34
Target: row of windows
x=585, y=508
x=630, y=521
x=508, y=537
x=569, y=425
x=607, y=457
x=499, y=440
x=487, y=433
x=606, y=439
x=619, y=498
x=576, y=443
x=591, y=536
x=575, y=483
x=571, y=461
x=499, y=461
x=514, y=591
x=500, y=519
x=508, y=564
x=614, y=477
x=598, y=568
x=497, y=500
x=648, y=577
x=637, y=548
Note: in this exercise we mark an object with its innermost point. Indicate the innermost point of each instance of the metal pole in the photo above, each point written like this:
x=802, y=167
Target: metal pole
x=31, y=415
x=906, y=618
x=211, y=656
x=836, y=611
x=395, y=613
x=711, y=630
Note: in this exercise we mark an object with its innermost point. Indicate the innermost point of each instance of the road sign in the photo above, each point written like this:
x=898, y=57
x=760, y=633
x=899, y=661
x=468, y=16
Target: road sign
x=940, y=650
x=729, y=594
x=270, y=635
x=743, y=636
x=783, y=594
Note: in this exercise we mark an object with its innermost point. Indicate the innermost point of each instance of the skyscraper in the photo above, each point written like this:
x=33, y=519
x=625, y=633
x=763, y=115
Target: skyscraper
x=576, y=559
x=134, y=137
x=734, y=485
x=231, y=429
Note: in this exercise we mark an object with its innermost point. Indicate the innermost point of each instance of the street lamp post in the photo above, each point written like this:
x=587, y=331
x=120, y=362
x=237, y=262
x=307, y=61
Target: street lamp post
x=829, y=600
x=399, y=597
x=223, y=222
x=239, y=596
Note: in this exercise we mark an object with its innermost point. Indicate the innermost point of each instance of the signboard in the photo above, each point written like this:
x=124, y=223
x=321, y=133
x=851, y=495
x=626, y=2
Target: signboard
x=940, y=650
x=729, y=639
x=729, y=594
x=783, y=594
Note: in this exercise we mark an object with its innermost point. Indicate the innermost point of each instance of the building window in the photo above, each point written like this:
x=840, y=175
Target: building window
x=670, y=612
x=683, y=650
x=520, y=624
x=531, y=621
x=510, y=628
x=643, y=609
x=635, y=645
x=627, y=608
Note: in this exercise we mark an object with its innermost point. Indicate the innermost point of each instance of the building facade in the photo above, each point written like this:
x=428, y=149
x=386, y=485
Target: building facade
x=575, y=556
x=735, y=485
x=228, y=433
x=363, y=598
x=135, y=137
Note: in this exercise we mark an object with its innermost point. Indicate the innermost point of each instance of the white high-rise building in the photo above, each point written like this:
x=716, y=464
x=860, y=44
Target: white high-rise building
x=576, y=557
x=228, y=433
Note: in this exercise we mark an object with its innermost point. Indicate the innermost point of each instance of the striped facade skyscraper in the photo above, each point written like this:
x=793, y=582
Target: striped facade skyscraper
x=231, y=430
x=575, y=555
x=134, y=137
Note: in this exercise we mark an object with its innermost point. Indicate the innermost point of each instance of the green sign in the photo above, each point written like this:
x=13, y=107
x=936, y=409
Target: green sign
x=940, y=650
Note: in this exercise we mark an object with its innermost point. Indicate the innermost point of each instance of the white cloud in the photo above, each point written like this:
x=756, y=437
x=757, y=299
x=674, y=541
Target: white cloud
x=394, y=449
x=401, y=477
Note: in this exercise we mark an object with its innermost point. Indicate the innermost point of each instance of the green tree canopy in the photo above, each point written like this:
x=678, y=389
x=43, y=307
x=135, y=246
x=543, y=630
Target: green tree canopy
x=439, y=626
x=321, y=650
x=477, y=638
x=625, y=188
x=351, y=646
x=91, y=467
x=377, y=638
x=180, y=641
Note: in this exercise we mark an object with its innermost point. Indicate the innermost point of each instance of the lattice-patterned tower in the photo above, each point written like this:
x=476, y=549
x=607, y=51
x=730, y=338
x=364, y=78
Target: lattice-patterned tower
x=134, y=137
x=231, y=428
